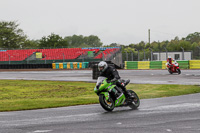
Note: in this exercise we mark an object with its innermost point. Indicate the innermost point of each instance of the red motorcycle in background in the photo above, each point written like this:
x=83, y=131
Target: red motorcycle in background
x=173, y=68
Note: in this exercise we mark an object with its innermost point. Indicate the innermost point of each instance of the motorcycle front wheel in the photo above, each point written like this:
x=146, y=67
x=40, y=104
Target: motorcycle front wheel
x=135, y=100
x=179, y=71
x=108, y=105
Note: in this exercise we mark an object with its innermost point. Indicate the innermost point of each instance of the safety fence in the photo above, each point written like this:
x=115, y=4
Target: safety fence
x=183, y=64
x=70, y=65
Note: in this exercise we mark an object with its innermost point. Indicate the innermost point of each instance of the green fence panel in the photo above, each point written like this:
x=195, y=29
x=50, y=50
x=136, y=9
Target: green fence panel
x=155, y=64
x=183, y=64
x=132, y=65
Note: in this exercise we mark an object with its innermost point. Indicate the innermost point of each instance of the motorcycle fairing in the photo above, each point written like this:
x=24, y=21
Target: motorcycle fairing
x=106, y=94
x=120, y=100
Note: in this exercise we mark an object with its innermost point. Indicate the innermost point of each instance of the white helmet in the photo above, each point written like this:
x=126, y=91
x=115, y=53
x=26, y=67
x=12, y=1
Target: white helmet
x=103, y=65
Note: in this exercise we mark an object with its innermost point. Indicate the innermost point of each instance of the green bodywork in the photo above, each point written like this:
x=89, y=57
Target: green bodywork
x=105, y=88
x=120, y=100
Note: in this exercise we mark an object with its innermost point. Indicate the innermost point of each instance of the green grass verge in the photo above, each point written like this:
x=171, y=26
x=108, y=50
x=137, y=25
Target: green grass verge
x=25, y=94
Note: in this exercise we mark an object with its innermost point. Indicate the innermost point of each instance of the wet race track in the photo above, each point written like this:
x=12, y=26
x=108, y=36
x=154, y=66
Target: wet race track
x=188, y=77
x=179, y=114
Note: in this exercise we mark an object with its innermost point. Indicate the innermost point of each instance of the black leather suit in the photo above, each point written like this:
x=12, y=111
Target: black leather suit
x=112, y=73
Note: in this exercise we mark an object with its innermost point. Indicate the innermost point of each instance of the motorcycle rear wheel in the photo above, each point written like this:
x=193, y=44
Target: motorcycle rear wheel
x=170, y=71
x=135, y=101
x=108, y=105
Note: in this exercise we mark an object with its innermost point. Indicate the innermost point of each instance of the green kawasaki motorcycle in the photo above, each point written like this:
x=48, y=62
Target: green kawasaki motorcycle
x=111, y=96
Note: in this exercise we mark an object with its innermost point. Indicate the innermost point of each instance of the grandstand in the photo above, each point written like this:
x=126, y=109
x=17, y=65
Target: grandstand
x=55, y=54
x=43, y=56
x=107, y=53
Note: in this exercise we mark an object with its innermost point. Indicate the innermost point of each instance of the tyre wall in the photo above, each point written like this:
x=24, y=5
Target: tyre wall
x=70, y=65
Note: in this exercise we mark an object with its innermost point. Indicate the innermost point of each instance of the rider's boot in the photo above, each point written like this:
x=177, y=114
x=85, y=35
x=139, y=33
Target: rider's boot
x=127, y=94
x=128, y=97
x=123, y=87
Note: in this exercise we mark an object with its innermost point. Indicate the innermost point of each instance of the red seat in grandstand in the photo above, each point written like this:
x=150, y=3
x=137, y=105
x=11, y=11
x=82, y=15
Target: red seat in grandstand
x=47, y=54
x=107, y=52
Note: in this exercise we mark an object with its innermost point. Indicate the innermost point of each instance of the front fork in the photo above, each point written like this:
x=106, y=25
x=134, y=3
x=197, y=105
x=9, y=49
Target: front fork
x=106, y=94
x=119, y=101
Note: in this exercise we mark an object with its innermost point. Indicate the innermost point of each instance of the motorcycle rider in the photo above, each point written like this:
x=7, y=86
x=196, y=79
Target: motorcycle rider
x=113, y=75
x=169, y=62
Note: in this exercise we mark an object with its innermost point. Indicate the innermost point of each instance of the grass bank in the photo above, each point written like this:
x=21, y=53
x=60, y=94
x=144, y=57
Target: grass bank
x=24, y=94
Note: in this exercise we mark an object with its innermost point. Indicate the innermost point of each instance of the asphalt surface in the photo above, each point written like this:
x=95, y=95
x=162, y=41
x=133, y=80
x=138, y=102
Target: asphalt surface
x=187, y=77
x=161, y=115
x=180, y=114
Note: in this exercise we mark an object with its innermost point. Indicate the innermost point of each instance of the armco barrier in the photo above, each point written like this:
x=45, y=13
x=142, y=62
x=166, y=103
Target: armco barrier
x=194, y=64
x=131, y=65
x=125, y=65
x=164, y=64
x=183, y=64
x=143, y=64
x=155, y=64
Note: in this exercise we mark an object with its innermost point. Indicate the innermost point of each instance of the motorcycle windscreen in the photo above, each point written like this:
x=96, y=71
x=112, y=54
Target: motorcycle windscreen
x=100, y=80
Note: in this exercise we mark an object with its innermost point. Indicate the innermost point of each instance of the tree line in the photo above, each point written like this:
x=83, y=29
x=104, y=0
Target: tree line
x=12, y=37
x=189, y=43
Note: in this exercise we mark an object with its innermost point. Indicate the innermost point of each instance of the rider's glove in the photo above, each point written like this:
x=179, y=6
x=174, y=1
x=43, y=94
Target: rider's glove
x=113, y=80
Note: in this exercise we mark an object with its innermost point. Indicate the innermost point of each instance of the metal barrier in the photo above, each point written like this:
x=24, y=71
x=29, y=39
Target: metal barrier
x=194, y=64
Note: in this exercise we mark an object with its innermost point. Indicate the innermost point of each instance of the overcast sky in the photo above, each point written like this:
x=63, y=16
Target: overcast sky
x=113, y=21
